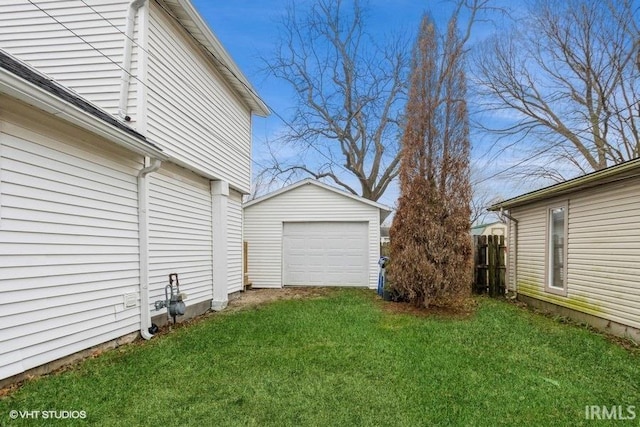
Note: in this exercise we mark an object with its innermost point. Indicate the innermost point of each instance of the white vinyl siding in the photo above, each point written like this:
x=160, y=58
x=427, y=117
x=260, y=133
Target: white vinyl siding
x=88, y=61
x=234, y=242
x=531, y=249
x=512, y=231
x=192, y=112
x=68, y=239
x=180, y=236
x=603, y=252
x=263, y=225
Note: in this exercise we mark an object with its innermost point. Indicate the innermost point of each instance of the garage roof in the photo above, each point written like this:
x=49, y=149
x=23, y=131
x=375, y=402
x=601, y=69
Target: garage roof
x=385, y=210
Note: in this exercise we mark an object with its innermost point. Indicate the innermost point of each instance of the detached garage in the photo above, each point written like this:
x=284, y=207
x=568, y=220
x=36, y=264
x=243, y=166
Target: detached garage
x=311, y=234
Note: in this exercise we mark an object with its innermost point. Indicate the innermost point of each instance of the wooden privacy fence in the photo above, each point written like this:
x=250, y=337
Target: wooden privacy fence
x=490, y=265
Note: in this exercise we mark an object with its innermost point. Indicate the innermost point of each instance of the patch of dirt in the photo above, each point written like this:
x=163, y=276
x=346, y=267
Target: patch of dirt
x=256, y=297
x=8, y=389
x=245, y=300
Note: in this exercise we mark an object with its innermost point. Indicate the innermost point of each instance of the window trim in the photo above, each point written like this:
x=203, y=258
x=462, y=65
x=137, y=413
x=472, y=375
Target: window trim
x=548, y=253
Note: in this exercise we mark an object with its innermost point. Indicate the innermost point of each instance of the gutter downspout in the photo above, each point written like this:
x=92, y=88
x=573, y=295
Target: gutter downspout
x=515, y=247
x=126, y=58
x=143, y=221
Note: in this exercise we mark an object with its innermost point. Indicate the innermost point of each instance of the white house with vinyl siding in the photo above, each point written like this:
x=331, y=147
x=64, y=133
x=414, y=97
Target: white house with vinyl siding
x=311, y=234
x=574, y=248
x=91, y=225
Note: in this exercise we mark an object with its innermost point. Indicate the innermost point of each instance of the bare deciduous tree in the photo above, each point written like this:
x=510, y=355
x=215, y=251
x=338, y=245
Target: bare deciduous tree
x=430, y=244
x=480, y=202
x=566, y=77
x=349, y=92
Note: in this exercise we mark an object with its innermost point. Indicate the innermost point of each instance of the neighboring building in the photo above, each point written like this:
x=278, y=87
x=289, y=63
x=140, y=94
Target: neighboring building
x=574, y=248
x=96, y=212
x=384, y=236
x=310, y=233
x=497, y=228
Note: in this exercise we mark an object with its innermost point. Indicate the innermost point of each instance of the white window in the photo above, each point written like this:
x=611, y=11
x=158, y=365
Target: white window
x=556, y=250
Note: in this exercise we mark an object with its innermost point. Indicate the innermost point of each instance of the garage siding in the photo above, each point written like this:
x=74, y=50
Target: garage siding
x=263, y=226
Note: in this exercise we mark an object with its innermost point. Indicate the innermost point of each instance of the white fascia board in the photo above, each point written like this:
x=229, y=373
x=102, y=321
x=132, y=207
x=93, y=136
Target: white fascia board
x=311, y=181
x=18, y=88
x=582, y=182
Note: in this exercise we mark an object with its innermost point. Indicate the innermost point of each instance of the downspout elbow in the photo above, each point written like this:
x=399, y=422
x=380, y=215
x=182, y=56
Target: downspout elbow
x=507, y=215
x=143, y=215
x=153, y=167
x=145, y=334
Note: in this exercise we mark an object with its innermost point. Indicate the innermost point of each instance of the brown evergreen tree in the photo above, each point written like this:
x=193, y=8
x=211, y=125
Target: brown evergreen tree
x=431, y=251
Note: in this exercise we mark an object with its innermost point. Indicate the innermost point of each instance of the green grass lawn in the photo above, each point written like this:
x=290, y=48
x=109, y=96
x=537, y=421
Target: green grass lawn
x=341, y=360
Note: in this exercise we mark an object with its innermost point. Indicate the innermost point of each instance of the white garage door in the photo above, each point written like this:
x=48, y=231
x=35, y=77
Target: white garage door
x=325, y=254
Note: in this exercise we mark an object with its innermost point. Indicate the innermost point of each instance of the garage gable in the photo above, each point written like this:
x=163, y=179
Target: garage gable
x=308, y=183
x=313, y=234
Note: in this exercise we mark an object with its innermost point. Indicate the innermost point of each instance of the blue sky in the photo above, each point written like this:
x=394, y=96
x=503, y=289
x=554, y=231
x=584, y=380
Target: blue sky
x=248, y=30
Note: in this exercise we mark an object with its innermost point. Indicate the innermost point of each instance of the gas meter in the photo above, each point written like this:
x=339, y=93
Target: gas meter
x=173, y=298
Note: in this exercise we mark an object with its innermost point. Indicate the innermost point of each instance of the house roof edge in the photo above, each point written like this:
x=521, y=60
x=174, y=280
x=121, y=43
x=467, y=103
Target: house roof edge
x=582, y=182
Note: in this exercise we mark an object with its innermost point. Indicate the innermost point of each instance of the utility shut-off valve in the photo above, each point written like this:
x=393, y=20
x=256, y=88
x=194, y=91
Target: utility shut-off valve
x=173, y=298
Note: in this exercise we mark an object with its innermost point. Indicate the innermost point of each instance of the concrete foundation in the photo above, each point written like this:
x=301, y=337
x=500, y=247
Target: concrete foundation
x=161, y=318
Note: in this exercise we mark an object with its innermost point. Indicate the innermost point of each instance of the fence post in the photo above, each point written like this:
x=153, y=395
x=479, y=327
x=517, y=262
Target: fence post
x=476, y=261
x=492, y=265
x=481, y=264
x=502, y=266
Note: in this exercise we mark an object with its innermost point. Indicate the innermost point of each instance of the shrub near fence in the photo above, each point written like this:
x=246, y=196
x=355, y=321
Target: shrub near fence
x=490, y=265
